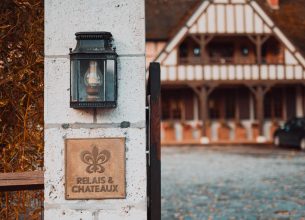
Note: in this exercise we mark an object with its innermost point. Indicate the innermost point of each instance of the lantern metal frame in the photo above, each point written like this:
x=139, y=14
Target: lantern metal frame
x=105, y=53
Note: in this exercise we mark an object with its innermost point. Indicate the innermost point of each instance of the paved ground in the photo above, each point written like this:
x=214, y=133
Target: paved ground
x=232, y=183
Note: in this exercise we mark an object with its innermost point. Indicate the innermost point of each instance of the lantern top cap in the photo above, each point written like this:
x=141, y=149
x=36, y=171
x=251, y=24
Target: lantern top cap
x=101, y=35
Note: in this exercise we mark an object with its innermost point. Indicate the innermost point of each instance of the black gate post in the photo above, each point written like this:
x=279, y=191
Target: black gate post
x=154, y=157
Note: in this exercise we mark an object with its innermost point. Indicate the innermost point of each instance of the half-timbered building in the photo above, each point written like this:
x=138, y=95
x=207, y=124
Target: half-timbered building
x=232, y=71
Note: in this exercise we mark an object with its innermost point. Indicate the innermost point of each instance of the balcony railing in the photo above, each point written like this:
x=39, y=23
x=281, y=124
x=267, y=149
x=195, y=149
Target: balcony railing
x=226, y=60
x=232, y=72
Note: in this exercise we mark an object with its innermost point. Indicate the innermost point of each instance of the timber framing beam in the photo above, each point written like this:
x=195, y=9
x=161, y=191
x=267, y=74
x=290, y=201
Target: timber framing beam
x=212, y=83
x=259, y=92
x=258, y=40
x=203, y=41
x=197, y=89
x=203, y=91
x=257, y=88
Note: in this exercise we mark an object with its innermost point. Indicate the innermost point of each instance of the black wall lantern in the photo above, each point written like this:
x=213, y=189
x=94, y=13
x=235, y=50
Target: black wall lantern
x=93, y=74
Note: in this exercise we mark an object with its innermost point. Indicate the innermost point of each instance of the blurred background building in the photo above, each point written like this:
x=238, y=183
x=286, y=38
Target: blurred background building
x=232, y=71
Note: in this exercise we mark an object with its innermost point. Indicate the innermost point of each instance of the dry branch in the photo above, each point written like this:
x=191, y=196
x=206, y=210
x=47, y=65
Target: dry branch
x=21, y=102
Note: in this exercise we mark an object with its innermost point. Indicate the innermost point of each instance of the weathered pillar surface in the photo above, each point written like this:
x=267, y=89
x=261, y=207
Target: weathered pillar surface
x=125, y=20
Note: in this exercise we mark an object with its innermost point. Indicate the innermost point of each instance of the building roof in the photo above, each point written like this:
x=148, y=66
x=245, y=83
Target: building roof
x=290, y=18
x=165, y=17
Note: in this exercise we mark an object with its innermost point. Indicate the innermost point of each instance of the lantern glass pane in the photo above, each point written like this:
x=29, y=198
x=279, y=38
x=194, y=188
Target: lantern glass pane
x=75, y=66
x=110, y=80
x=91, y=80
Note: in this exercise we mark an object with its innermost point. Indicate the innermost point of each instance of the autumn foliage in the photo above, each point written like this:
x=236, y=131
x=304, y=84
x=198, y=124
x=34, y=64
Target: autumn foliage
x=21, y=96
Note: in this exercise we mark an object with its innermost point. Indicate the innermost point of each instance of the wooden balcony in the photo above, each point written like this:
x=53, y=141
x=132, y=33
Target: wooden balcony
x=231, y=73
x=216, y=61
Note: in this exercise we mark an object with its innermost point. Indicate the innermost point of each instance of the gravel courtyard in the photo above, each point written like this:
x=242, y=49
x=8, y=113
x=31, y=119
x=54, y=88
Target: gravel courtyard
x=232, y=183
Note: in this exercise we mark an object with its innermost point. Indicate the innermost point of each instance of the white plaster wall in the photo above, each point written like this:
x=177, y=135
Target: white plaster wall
x=125, y=20
x=289, y=58
x=171, y=58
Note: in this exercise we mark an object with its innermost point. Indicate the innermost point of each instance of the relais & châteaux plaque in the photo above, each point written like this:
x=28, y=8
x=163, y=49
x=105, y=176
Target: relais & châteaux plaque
x=95, y=168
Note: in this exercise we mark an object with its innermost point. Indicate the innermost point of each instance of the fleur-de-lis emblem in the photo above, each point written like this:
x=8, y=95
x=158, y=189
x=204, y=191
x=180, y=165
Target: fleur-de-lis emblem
x=95, y=159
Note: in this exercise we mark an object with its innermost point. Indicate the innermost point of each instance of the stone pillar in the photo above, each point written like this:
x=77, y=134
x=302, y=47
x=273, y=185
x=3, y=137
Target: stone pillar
x=125, y=20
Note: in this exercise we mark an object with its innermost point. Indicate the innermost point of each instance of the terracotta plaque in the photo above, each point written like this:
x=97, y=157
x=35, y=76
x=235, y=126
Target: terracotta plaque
x=95, y=168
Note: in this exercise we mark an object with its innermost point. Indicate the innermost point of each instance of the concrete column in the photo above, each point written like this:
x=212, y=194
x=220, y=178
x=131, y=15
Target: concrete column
x=125, y=20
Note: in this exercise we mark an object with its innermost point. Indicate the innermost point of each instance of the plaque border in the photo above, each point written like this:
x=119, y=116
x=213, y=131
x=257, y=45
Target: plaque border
x=65, y=172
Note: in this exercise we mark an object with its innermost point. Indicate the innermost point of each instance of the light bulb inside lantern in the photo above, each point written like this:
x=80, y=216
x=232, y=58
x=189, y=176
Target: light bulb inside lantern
x=93, y=80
